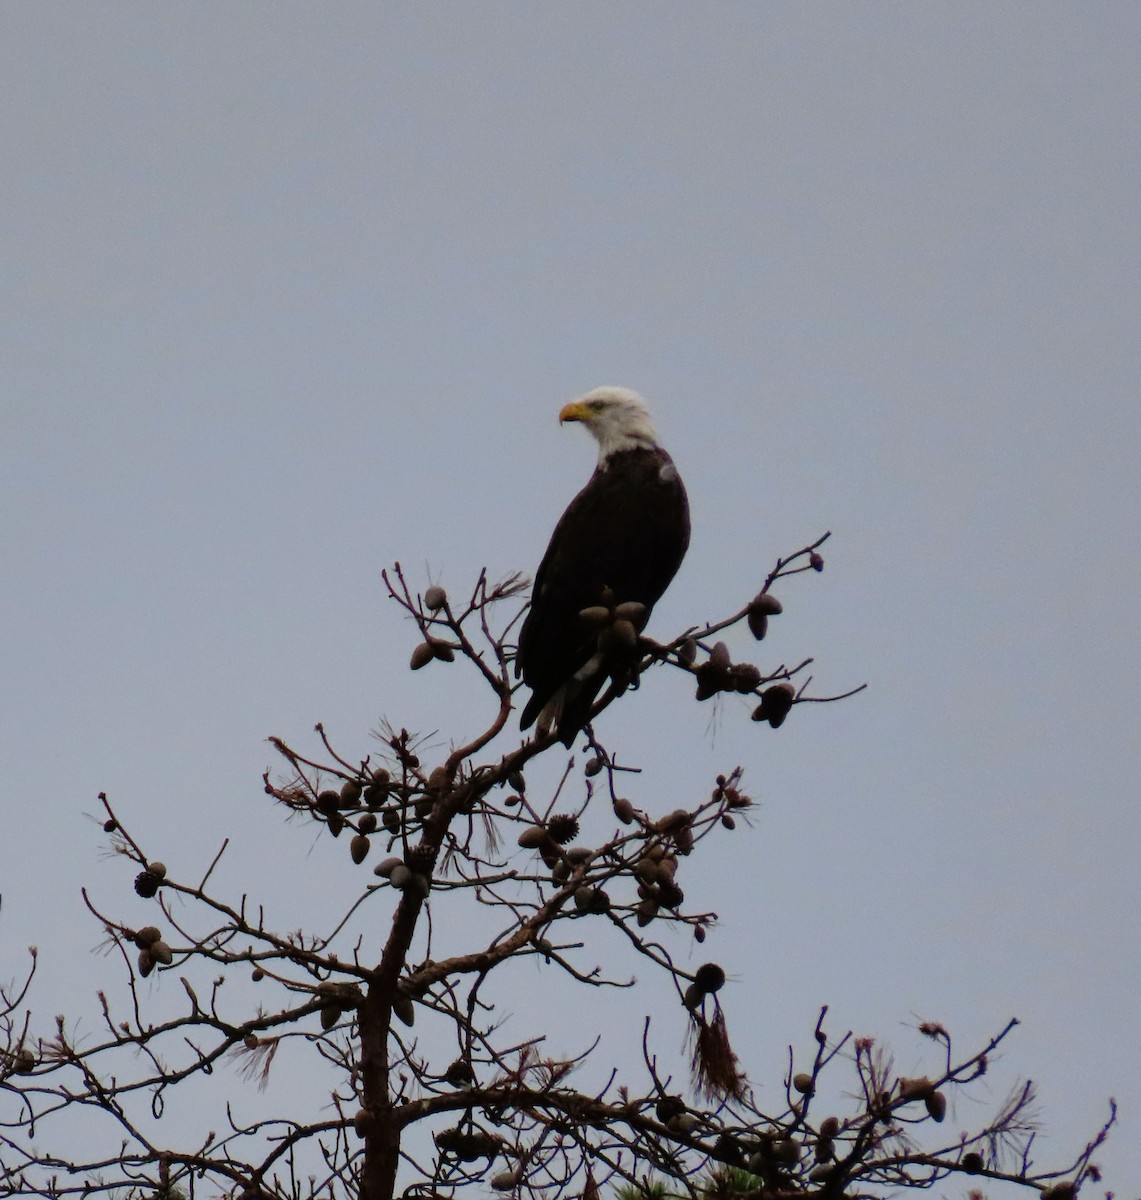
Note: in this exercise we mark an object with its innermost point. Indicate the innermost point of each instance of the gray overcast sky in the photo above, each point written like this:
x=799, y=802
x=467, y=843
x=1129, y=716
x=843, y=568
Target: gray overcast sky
x=291, y=291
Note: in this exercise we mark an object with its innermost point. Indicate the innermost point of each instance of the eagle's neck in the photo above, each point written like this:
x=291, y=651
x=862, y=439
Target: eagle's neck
x=612, y=442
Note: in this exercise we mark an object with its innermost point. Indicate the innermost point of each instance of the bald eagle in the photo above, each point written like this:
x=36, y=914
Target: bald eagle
x=620, y=542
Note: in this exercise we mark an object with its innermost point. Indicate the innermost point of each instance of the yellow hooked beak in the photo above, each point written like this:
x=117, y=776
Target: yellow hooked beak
x=575, y=411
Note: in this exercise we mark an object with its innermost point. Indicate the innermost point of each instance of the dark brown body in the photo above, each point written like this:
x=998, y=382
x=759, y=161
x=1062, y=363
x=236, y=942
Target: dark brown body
x=627, y=530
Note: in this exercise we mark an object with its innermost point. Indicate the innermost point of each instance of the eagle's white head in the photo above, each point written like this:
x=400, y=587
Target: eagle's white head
x=616, y=416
